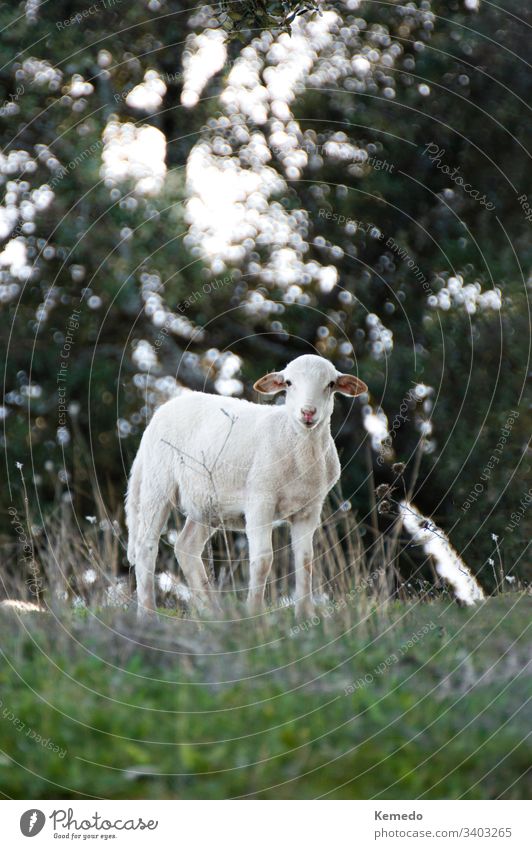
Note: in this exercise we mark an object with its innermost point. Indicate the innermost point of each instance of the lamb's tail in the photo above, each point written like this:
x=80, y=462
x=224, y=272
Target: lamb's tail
x=133, y=507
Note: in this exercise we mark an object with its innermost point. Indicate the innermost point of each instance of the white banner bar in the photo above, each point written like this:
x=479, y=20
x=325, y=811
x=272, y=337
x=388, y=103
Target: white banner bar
x=263, y=824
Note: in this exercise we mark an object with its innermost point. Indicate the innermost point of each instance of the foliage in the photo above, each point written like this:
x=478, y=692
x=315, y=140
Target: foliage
x=257, y=15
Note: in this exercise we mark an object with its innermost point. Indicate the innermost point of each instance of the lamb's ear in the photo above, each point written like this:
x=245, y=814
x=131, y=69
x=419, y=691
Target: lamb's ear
x=347, y=384
x=270, y=384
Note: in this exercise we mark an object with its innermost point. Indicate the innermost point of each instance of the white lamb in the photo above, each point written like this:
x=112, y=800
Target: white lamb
x=225, y=462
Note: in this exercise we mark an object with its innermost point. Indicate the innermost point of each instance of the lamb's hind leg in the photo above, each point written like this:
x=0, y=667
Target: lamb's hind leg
x=188, y=549
x=153, y=518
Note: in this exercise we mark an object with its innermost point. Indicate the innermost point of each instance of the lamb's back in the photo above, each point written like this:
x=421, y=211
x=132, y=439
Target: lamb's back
x=203, y=425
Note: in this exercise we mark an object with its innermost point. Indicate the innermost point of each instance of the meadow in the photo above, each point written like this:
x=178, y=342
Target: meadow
x=390, y=690
x=413, y=699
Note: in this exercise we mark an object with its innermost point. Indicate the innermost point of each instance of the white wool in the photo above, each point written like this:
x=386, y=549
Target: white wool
x=449, y=566
x=214, y=449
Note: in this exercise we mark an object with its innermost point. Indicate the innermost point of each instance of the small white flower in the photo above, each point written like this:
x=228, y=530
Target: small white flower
x=491, y=561
x=117, y=595
x=61, y=595
x=63, y=436
x=18, y=464
x=91, y=519
x=510, y=578
x=90, y=576
x=494, y=537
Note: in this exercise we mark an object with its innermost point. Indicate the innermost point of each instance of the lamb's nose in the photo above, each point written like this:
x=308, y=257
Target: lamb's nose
x=308, y=413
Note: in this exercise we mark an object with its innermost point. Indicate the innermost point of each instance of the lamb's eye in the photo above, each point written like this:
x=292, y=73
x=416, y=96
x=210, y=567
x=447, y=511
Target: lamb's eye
x=288, y=383
x=331, y=385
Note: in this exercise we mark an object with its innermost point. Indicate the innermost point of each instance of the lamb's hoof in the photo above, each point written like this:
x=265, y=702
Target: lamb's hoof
x=305, y=611
x=216, y=605
x=209, y=608
x=146, y=615
x=255, y=609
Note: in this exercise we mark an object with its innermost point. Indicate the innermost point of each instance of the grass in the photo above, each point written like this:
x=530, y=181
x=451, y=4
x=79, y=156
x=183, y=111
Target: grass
x=239, y=708
x=392, y=692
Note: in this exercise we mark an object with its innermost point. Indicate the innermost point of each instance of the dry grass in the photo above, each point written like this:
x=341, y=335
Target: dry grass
x=80, y=560
x=83, y=563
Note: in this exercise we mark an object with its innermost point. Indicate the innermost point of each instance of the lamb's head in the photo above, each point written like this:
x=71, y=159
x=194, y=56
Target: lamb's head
x=310, y=383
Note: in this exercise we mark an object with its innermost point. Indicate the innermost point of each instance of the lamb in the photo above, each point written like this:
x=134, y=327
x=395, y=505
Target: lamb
x=226, y=462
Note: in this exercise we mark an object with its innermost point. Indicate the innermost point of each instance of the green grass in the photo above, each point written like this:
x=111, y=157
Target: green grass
x=234, y=709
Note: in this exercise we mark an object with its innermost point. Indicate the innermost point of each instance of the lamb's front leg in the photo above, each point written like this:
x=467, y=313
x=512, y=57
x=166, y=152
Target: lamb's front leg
x=259, y=533
x=303, y=531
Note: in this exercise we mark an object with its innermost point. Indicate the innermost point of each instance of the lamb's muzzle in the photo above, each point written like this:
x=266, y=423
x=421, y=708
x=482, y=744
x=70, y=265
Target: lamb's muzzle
x=232, y=463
